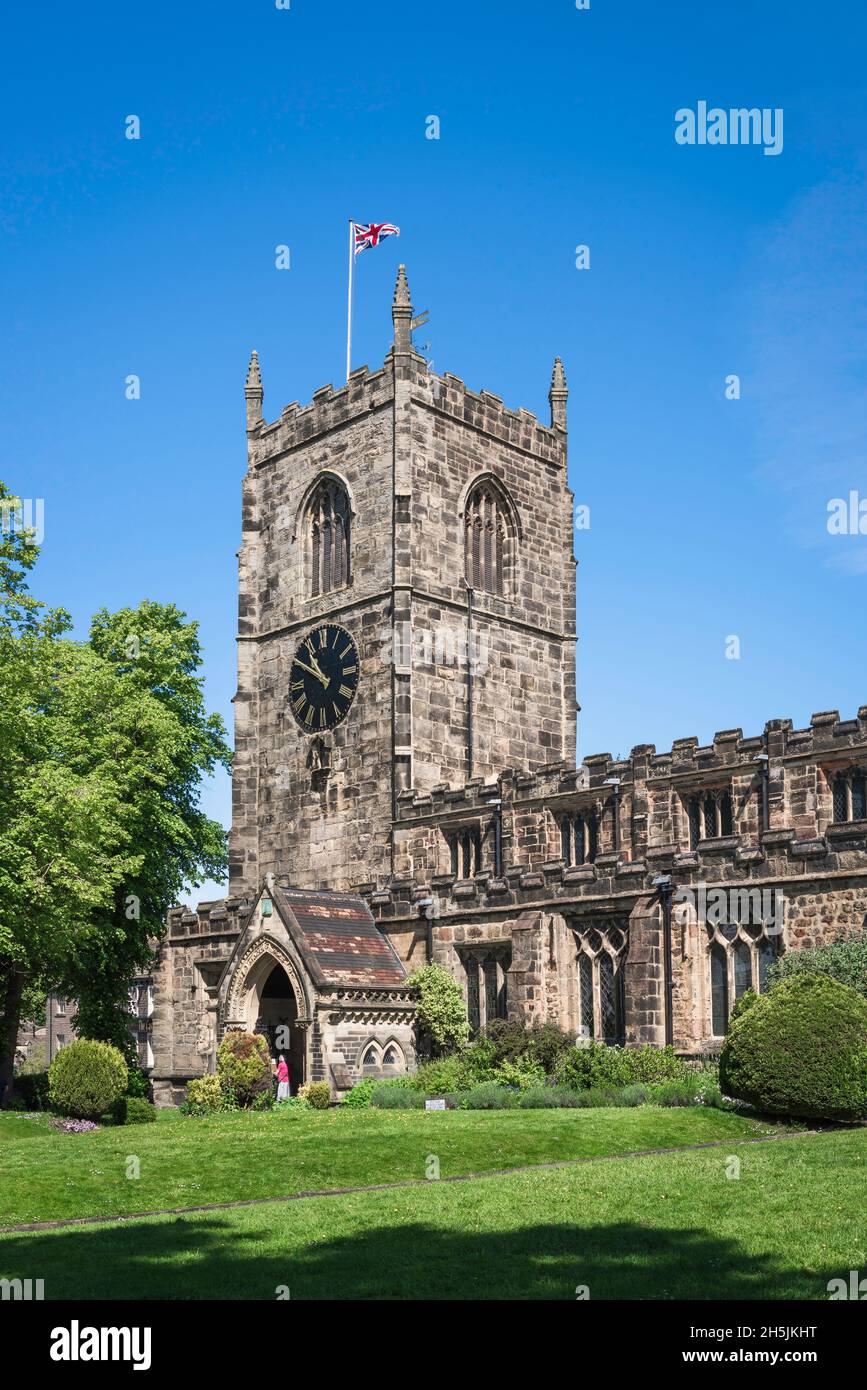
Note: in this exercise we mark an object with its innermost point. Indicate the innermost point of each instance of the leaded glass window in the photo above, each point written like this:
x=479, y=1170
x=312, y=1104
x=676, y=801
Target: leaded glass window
x=602, y=946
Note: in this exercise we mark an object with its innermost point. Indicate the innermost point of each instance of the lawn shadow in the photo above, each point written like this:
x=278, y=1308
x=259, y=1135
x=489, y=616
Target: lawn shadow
x=206, y=1257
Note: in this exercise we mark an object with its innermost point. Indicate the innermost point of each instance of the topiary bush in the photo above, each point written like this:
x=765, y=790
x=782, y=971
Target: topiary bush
x=86, y=1079
x=440, y=1014
x=800, y=1049
x=844, y=960
x=243, y=1066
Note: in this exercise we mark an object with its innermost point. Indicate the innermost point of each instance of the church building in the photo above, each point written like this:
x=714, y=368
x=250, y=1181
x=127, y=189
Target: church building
x=405, y=786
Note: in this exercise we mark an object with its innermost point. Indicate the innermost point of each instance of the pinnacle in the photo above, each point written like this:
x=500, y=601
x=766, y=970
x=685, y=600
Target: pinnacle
x=401, y=289
x=253, y=375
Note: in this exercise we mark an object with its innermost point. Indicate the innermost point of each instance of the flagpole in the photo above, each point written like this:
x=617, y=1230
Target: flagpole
x=349, y=305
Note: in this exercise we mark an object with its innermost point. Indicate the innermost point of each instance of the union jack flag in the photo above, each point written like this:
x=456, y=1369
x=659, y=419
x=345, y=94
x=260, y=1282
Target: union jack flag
x=372, y=233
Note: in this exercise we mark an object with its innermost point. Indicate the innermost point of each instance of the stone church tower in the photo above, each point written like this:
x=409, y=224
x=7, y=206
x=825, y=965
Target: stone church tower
x=405, y=784
x=434, y=526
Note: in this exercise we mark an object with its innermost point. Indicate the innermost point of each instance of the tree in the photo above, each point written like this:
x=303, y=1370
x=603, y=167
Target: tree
x=153, y=653
x=102, y=749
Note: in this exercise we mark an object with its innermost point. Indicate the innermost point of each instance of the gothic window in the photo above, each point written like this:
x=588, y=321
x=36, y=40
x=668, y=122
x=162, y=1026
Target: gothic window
x=849, y=795
x=602, y=947
x=370, y=1057
x=579, y=838
x=740, y=951
x=489, y=539
x=486, y=970
x=709, y=816
x=328, y=537
x=465, y=850
x=392, y=1057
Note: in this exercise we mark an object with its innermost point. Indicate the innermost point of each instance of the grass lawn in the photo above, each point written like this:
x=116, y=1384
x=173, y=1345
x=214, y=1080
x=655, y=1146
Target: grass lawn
x=183, y=1162
x=660, y=1227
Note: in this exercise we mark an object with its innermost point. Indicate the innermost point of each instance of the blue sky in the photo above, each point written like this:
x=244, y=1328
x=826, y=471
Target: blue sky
x=262, y=126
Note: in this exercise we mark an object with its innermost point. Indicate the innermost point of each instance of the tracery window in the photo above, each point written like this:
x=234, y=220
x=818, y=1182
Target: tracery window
x=709, y=815
x=486, y=970
x=328, y=525
x=740, y=952
x=849, y=794
x=489, y=539
x=601, y=952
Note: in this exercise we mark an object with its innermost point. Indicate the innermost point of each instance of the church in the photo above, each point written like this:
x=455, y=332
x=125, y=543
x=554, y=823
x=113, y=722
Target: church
x=405, y=786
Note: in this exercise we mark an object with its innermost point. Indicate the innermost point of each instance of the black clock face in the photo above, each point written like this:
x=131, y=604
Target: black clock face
x=323, y=678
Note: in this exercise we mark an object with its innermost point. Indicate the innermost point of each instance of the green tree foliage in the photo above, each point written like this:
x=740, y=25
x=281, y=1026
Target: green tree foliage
x=169, y=743
x=440, y=1015
x=844, y=960
x=103, y=746
x=800, y=1049
x=86, y=1079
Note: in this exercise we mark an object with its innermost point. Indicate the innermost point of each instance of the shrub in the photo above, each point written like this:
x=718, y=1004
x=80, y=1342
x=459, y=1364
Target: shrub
x=511, y=1041
x=488, y=1096
x=138, y=1084
x=204, y=1095
x=359, y=1097
x=295, y=1103
x=243, y=1066
x=456, y=1072
x=520, y=1072
x=440, y=1013
x=87, y=1078
x=800, y=1050
x=32, y=1088
x=386, y=1097
x=594, y=1064
x=844, y=960
x=138, y=1111
x=317, y=1094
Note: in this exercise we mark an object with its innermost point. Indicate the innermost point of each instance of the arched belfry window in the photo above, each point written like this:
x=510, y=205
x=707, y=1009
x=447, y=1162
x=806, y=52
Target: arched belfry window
x=490, y=538
x=328, y=536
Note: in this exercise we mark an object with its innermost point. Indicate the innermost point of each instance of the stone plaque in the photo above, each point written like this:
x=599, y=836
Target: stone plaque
x=435, y=1104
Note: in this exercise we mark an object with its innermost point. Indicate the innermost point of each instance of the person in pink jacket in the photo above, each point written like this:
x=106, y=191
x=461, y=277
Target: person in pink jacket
x=282, y=1079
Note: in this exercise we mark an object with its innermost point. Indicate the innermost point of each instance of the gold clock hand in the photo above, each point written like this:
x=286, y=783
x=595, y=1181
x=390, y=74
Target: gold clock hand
x=310, y=671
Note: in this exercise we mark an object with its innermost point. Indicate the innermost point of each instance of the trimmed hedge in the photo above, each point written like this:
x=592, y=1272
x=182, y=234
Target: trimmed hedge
x=32, y=1088
x=800, y=1049
x=87, y=1078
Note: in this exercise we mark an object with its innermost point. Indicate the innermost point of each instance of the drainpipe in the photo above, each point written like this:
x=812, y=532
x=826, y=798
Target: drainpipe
x=765, y=762
x=666, y=891
x=469, y=680
x=498, y=839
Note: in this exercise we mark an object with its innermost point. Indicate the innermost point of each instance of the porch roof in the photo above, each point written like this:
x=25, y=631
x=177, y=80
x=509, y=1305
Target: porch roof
x=338, y=931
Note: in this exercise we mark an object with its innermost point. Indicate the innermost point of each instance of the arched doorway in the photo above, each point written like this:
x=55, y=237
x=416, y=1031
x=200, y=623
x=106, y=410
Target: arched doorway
x=277, y=1022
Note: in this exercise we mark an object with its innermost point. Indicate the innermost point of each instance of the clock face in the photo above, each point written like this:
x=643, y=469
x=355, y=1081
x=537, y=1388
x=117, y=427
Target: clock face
x=323, y=678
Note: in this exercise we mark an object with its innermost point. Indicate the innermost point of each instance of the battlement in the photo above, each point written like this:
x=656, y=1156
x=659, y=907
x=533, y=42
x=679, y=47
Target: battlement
x=828, y=739
x=329, y=408
x=482, y=410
